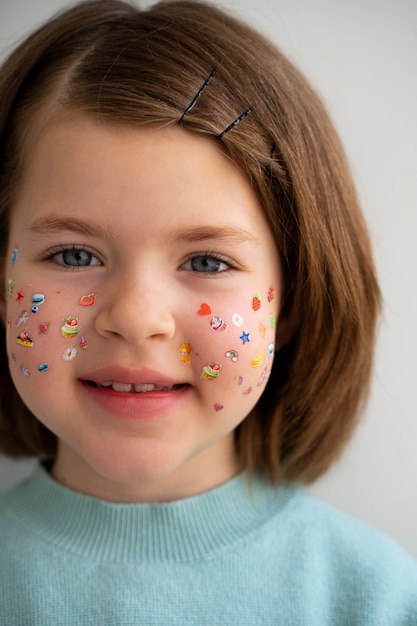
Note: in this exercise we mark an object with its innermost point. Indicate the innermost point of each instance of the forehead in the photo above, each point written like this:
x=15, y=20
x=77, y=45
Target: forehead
x=158, y=185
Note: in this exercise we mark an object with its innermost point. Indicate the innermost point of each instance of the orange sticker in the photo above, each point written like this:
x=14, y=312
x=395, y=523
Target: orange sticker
x=204, y=309
x=256, y=303
x=88, y=300
x=185, y=351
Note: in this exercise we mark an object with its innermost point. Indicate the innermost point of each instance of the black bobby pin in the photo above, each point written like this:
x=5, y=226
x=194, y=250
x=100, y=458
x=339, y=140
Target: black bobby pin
x=198, y=94
x=235, y=123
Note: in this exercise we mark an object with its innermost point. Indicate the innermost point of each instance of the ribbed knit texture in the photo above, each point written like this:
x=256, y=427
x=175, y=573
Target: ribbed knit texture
x=241, y=554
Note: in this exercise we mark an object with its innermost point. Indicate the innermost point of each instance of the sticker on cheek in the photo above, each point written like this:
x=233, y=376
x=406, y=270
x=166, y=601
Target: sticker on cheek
x=272, y=321
x=20, y=296
x=37, y=300
x=88, y=300
x=70, y=354
x=239, y=380
x=245, y=337
x=256, y=362
x=70, y=328
x=237, y=320
x=24, y=370
x=14, y=256
x=43, y=327
x=83, y=343
x=10, y=285
x=264, y=377
x=185, y=351
x=256, y=303
x=232, y=355
x=22, y=318
x=262, y=330
x=218, y=407
x=211, y=371
x=271, y=294
x=247, y=391
x=43, y=367
x=204, y=309
x=217, y=323
x=271, y=349
x=24, y=339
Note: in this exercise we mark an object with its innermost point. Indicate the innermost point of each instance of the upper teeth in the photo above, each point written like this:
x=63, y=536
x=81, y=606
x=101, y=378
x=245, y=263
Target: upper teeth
x=126, y=387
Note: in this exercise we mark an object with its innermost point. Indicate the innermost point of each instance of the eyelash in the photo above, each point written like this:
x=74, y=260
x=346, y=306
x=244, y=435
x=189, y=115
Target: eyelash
x=51, y=255
x=211, y=255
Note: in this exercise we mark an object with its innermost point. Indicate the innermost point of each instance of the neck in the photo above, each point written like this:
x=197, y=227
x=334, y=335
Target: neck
x=192, y=478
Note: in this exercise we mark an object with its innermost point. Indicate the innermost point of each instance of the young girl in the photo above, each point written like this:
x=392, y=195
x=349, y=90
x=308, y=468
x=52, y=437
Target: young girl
x=189, y=311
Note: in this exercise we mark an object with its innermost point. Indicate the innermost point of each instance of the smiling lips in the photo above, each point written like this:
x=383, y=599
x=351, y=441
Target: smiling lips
x=139, y=400
x=143, y=388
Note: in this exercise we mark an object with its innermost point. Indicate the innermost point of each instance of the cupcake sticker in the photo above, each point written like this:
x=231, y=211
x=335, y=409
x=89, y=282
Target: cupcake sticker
x=70, y=328
x=211, y=371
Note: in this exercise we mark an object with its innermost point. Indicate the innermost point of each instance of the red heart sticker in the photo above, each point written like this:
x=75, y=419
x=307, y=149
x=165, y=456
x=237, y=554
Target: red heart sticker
x=204, y=309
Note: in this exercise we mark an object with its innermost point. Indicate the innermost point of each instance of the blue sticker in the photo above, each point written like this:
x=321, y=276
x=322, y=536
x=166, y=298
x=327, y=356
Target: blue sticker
x=37, y=300
x=15, y=255
x=245, y=337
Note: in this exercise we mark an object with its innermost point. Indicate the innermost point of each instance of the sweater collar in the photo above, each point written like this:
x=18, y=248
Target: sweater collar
x=184, y=530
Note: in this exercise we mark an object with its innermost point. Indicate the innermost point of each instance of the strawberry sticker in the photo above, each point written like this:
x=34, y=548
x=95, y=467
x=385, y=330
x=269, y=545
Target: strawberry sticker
x=256, y=303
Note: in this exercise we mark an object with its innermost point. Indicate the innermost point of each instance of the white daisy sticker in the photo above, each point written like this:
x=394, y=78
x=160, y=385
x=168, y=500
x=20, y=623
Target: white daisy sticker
x=237, y=319
x=69, y=354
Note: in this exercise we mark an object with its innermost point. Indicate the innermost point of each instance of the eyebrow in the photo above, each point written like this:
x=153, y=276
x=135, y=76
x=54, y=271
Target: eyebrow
x=52, y=224
x=225, y=234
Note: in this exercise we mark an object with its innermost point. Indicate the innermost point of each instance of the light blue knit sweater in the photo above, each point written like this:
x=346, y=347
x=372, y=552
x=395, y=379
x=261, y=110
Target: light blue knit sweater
x=232, y=556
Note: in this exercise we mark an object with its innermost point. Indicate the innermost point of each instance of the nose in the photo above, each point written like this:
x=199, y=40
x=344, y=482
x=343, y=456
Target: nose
x=136, y=308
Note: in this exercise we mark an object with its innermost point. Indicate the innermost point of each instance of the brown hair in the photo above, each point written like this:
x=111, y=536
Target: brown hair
x=130, y=66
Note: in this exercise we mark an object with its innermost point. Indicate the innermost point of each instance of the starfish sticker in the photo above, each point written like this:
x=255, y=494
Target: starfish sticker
x=245, y=337
x=20, y=296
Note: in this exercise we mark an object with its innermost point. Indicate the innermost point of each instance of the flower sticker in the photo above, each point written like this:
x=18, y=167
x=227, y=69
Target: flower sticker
x=70, y=354
x=237, y=320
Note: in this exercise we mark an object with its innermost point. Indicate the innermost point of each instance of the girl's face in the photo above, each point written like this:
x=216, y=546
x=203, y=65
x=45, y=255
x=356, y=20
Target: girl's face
x=142, y=294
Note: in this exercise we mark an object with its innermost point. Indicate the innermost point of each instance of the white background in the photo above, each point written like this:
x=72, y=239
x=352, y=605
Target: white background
x=361, y=55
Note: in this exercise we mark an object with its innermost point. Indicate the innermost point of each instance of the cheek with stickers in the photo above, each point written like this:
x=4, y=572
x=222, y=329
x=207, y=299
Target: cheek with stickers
x=46, y=330
x=236, y=348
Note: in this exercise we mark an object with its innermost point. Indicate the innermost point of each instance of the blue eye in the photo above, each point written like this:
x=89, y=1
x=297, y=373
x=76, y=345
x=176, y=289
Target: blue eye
x=74, y=257
x=207, y=264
